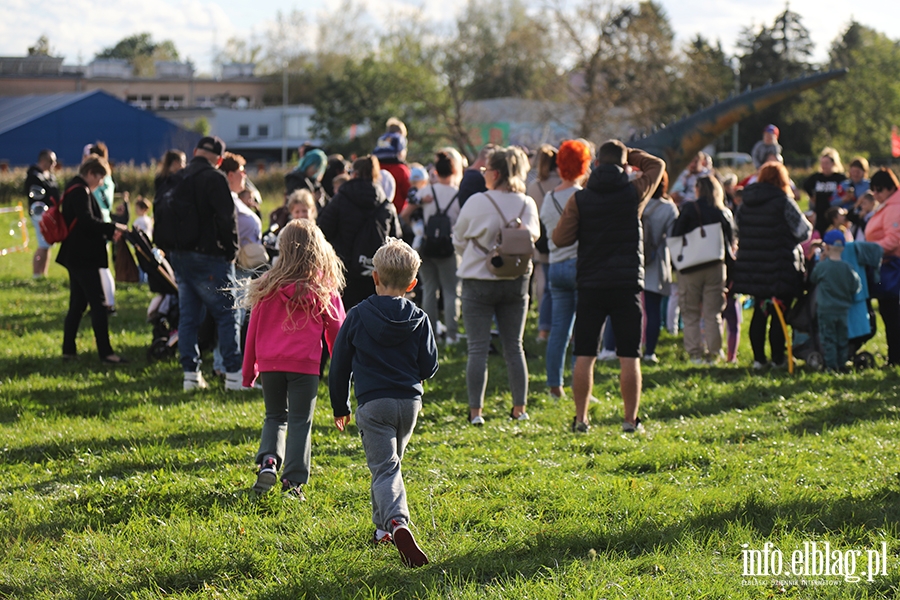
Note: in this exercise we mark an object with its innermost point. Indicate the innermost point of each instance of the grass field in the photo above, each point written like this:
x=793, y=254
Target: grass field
x=116, y=484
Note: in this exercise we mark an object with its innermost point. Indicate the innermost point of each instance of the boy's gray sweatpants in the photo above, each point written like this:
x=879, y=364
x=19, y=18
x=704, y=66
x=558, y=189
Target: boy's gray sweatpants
x=385, y=426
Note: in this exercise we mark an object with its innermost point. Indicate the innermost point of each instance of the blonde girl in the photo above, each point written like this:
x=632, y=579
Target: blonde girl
x=292, y=306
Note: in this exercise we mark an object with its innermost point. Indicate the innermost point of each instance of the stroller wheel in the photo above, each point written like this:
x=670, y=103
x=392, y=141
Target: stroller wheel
x=159, y=350
x=863, y=360
x=814, y=360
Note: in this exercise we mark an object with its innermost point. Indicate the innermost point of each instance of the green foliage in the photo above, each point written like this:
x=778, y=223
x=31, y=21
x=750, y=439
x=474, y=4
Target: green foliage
x=856, y=113
x=142, y=52
x=116, y=484
x=201, y=126
x=41, y=47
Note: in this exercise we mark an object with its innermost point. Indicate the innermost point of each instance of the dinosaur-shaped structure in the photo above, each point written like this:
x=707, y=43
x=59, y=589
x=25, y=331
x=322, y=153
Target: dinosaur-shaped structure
x=678, y=143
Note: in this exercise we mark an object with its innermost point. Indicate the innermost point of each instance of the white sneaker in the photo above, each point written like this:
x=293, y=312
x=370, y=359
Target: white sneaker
x=758, y=366
x=477, y=421
x=606, y=355
x=194, y=381
x=651, y=359
x=235, y=382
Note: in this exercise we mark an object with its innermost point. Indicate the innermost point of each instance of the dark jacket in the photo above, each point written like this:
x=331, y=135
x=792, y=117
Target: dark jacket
x=215, y=205
x=85, y=246
x=605, y=219
x=357, y=202
x=769, y=259
x=691, y=218
x=35, y=178
x=387, y=346
x=472, y=183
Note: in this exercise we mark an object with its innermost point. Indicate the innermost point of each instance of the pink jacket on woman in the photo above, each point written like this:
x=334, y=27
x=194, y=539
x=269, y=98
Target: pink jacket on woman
x=884, y=226
x=292, y=344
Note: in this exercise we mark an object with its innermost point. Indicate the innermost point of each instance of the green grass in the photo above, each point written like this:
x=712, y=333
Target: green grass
x=115, y=484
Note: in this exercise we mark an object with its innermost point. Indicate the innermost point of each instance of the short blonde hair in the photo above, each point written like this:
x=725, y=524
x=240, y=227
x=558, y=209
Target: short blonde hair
x=397, y=264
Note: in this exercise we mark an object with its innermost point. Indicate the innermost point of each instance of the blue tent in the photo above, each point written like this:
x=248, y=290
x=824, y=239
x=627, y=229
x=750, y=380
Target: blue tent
x=65, y=123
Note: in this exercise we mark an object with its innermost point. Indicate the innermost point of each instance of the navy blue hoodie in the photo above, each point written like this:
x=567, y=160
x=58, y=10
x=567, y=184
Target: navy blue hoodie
x=387, y=346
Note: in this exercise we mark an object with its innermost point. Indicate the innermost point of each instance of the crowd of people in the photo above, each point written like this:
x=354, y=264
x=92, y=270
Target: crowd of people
x=377, y=262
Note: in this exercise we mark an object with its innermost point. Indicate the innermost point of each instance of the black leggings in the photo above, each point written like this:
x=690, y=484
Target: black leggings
x=762, y=312
x=889, y=307
x=86, y=290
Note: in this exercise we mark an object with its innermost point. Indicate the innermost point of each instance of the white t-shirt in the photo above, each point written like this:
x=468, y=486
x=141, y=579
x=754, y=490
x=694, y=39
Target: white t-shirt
x=550, y=217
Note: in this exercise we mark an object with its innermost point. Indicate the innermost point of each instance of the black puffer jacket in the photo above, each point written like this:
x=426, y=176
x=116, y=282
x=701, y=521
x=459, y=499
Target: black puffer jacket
x=769, y=259
x=343, y=220
x=610, y=242
x=35, y=178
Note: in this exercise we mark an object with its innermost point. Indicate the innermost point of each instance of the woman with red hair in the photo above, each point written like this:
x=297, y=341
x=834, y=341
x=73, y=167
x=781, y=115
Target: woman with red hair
x=572, y=163
x=769, y=263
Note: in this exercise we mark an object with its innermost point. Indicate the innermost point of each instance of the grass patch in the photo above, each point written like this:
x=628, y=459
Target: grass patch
x=115, y=484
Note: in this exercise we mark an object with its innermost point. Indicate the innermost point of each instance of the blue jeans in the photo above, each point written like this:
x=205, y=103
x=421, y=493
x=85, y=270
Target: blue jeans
x=205, y=280
x=563, y=293
x=653, y=321
x=545, y=310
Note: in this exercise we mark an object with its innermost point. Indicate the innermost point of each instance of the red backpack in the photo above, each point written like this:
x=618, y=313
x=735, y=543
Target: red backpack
x=53, y=224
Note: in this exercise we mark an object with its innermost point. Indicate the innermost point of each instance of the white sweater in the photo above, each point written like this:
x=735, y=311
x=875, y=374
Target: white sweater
x=478, y=220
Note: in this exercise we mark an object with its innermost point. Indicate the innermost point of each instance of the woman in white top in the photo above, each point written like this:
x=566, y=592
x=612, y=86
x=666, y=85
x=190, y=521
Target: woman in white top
x=572, y=164
x=484, y=295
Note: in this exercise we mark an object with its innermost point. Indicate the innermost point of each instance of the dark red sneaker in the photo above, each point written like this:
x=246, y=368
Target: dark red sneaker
x=410, y=553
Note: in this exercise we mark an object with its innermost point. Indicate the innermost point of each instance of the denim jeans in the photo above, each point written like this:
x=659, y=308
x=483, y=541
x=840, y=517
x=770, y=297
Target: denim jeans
x=652, y=320
x=545, y=310
x=205, y=280
x=563, y=293
x=482, y=300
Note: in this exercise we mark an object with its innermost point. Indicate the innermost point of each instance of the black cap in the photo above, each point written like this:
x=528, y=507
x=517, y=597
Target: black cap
x=212, y=143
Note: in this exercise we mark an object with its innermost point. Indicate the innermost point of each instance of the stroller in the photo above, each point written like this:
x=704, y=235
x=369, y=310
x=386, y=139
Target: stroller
x=807, y=346
x=162, y=313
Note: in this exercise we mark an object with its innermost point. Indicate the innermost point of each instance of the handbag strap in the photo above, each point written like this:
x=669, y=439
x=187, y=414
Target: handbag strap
x=700, y=217
x=556, y=202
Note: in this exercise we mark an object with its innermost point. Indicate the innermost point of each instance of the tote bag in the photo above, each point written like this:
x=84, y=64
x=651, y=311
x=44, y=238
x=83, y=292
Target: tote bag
x=703, y=244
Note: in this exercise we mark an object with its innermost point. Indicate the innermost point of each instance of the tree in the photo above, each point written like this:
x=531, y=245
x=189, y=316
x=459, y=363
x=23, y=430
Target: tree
x=141, y=52
x=773, y=54
x=855, y=114
x=239, y=50
x=621, y=56
x=41, y=47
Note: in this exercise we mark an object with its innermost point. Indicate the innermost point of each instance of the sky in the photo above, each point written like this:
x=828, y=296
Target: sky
x=199, y=26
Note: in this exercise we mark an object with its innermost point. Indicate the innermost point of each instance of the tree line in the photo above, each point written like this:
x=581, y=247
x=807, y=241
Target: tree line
x=595, y=55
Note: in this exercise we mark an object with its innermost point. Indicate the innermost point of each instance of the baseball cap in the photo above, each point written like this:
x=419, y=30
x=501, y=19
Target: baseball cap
x=771, y=129
x=835, y=237
x=212, y=143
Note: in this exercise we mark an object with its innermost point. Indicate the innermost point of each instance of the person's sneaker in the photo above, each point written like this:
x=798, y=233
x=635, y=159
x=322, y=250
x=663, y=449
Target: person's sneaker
x=651, y=359
x=266, y=477
x=292, y=490
x=779, y=365
x=235, y=382
x=523, y=416
x=698, y=361
x=410, y=553
x=477, y=421
x=758, y=366
x=194, y=381
x=606, y=355
x=579, y=426
x=638, y=427
x=381, y=537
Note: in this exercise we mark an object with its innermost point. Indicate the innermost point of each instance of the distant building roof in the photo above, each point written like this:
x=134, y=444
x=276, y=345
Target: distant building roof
x=18, y=110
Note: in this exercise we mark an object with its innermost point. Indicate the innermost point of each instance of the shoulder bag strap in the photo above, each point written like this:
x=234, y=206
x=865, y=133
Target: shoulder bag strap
x=699, y=216
x=556, y=202
x=436, y=205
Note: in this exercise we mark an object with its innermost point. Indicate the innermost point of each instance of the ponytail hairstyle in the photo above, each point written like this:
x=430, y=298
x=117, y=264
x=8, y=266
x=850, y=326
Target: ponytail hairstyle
x=547, y=156
x=307, y=260
x=444, y=165
x=512, y=168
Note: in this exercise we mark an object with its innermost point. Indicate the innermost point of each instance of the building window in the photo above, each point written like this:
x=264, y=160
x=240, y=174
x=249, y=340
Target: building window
x=243, y=131
x=262, y=131
x=147, y=101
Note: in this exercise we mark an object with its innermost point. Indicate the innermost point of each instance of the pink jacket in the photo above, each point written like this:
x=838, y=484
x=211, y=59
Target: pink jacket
x=884, y=226
x=276, y=342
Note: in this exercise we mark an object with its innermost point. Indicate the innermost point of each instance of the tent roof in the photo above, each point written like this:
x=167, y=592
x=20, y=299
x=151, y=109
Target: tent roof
x=19, y=110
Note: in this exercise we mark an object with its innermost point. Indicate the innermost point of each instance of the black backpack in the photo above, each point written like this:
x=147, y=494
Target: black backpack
x=376, y=228
x=176, y=215
x=439, y=231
